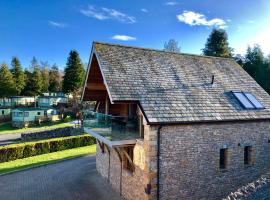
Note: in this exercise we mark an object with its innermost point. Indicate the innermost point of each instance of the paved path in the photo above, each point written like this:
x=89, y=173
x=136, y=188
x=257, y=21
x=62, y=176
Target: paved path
x=9, y=138
x=75, y=179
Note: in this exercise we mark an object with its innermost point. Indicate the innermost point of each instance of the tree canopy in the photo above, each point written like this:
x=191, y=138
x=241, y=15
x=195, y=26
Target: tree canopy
x=257, y=66
x=18, y=75
x=44, y=73
x=172, y=46
x=54, y=79
x=217, y=44
x=74, y=73
x=7, y=83
x=34, y=80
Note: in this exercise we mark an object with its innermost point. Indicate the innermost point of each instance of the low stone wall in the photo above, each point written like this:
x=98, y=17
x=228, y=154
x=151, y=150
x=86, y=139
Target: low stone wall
x=52, y=133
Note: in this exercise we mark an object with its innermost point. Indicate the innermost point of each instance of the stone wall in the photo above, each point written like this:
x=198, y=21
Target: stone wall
x=189, y=156
x=52, y=133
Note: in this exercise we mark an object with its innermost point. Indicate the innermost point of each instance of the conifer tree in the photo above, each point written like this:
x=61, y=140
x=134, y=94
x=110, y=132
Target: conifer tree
x=54, y=79
x=217, y=44
x=44, y=76
x=34, y=83
x=74, y=74
x=7, y=83
x=18, y=75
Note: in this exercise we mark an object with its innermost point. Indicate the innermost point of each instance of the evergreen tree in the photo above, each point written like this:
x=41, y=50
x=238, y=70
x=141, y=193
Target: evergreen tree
x=217, y=44
x=27, y=90
x=7, y=83
x=254, y=59
x=239, y=59
x=18, y=75
x=54, y=79
x=74, y=74
x=34, y=80
x=172, y=46
x=44, y=76
x=257, y=66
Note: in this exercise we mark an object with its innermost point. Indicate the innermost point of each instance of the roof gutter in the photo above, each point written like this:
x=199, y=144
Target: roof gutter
x=209, y=121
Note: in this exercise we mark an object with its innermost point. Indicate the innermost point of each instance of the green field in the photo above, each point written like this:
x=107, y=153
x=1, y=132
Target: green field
x=6, y=128
x=44, y=159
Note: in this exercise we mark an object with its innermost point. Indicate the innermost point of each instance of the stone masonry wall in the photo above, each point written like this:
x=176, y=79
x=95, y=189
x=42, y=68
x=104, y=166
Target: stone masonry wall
x=190, y=159
x=52, y=133
x=132, y=183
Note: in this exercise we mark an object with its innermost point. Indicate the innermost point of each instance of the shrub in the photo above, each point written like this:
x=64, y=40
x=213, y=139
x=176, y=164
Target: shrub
x=67, y=119
x=24, y=150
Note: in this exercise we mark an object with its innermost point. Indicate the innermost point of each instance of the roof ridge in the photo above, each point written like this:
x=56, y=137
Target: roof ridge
x=157, y=50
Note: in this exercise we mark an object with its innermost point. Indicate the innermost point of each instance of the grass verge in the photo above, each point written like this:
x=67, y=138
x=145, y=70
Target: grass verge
x=20, y=164
x=6, y=128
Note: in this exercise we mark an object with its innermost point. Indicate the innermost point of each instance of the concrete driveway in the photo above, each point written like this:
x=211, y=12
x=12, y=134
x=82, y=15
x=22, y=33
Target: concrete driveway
x=74, y=179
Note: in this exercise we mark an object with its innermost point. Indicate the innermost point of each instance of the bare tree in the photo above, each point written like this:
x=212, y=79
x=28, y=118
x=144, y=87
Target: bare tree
x=172, y=46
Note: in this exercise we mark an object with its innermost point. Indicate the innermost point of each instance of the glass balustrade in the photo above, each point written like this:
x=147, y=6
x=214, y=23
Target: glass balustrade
x=111, y=127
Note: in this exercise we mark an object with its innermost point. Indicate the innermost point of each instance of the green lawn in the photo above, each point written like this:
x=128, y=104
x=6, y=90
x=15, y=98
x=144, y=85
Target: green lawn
x=8, y=129
x=44, y=159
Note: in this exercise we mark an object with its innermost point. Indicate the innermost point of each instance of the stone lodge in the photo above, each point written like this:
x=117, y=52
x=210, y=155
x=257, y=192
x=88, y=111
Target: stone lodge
x=173, y=125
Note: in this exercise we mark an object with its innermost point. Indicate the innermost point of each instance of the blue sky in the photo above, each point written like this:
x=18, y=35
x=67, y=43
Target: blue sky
x=49, y=29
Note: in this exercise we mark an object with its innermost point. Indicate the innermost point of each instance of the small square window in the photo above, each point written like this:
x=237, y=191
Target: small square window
x=26, y=114
x=223, y=159
x=38, y=113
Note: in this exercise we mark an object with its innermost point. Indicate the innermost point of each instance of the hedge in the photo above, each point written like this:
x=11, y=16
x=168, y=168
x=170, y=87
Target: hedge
x=28, y=149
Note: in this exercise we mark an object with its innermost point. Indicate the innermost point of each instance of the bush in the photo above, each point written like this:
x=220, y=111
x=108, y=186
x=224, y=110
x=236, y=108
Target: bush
x=67, y=119
x=24, y=150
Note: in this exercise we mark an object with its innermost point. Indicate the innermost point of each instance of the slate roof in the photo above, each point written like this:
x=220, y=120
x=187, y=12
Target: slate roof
x=176, y=87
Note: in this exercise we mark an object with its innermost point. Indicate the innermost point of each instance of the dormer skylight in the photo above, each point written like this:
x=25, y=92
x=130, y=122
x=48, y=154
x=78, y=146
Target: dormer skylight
x=247, y=100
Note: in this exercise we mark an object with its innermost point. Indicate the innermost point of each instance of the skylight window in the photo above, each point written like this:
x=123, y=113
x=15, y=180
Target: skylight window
x=248, y=100
x=253, y=100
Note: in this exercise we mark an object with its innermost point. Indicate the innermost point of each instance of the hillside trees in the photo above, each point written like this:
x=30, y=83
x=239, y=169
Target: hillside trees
x=54, y=79
x=257, y=66
x=34, y=80
x=7, y=83
x=18, y=75
x=44, y=73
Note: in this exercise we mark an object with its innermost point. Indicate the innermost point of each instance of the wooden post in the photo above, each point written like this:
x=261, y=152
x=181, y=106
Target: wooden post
x=107, y=103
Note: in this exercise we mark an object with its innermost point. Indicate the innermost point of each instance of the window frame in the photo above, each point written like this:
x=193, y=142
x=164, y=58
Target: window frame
x=261, y=106
x=248, y=100
x=223, y=158
x=248, y=155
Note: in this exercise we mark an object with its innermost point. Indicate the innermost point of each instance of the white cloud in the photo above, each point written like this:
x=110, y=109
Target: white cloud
x=57, y=24
x=196, y=19
x=107, y=13
x=171, y=3
x=144, y=10
x=123, y=37
x=250, y=21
